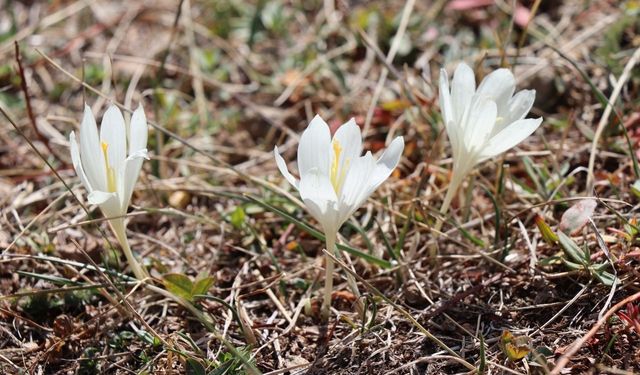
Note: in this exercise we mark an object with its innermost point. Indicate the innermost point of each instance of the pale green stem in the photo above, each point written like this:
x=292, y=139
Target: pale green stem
x=448, y=198
x=456, y=180
x=119, y=229
x=351, y=281
x=330, y=241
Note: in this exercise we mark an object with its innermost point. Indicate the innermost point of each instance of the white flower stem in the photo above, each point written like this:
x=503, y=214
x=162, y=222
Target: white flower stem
x=448, y=198
x=119, y=229
x=351, y=281
x=330, y=242
x=446, y=202
x=456, y=180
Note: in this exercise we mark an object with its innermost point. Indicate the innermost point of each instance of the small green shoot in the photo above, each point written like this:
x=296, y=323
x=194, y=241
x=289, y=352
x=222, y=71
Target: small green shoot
x=182, y=286
x=580, y=260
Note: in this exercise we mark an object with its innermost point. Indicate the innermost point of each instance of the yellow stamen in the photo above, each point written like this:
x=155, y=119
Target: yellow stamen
x=111, y=175
x=337, y=174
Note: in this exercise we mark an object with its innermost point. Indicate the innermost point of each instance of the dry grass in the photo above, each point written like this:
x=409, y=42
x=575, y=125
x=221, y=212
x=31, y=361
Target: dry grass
x=230, y=79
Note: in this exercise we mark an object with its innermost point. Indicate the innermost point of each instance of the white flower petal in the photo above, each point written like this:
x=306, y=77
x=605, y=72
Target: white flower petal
x=486, y=123
x=446, y=107
x=108, y=202
x=356, y=180
x=77, y=163
x=282, y=167
x=332, y=195
x=357, y=186
x=113, y=133
x=510, y=136
x=316, y=185
x=320, y=198
x=350, y=139
x=99, y=197
x=482, y=119
x=91, y=156
x=463, y=87
x=498, y=86
x=314, y=150
x=139, y=154
x=520, y=105
x=138, y=131
x=131, y=172
x=387, y=163
x=325, y=213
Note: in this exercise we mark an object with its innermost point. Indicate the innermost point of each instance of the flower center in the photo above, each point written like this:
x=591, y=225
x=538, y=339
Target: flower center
x=337, y=174
x=111, y=175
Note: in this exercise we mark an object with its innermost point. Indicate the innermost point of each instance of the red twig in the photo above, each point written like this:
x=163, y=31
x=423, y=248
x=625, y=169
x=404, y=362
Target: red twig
x=27, y=99
x=564, y=360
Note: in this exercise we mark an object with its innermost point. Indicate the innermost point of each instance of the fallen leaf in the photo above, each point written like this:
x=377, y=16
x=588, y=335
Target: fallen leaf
x=577, y=216
x=515, y=347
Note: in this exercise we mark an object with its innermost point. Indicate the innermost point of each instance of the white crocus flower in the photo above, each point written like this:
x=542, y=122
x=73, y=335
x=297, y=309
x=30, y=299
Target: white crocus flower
x=335, y=180
x=108, y=170
x=484, y=122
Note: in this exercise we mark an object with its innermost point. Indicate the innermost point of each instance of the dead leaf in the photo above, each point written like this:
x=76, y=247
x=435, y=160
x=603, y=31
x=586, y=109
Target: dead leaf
x=577, y=216
x=515, y=347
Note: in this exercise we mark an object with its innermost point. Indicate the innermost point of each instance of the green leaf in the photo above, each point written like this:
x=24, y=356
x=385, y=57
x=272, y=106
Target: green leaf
x=544, y=228
x=224, y=303
x=545, y=351
x=50, y=278
x=393, y=252
x=572, y=265
x=202, y=285
x=466, y=234
x=571, y=249
x=179, y=284
x=482, y=367
x=607, y=278
x=186, y=337
x=534, y=175
x=496, y=210
x=149, y=338
x=356, y=226
x=635, y=188
x=237, y=217
x=600, y=267
x=549, y=260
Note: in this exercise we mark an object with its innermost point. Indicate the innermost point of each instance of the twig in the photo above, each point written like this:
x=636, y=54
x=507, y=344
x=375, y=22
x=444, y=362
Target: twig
x=395, y=45
x=564, y=360
x=626, y=73
x=27, y=99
